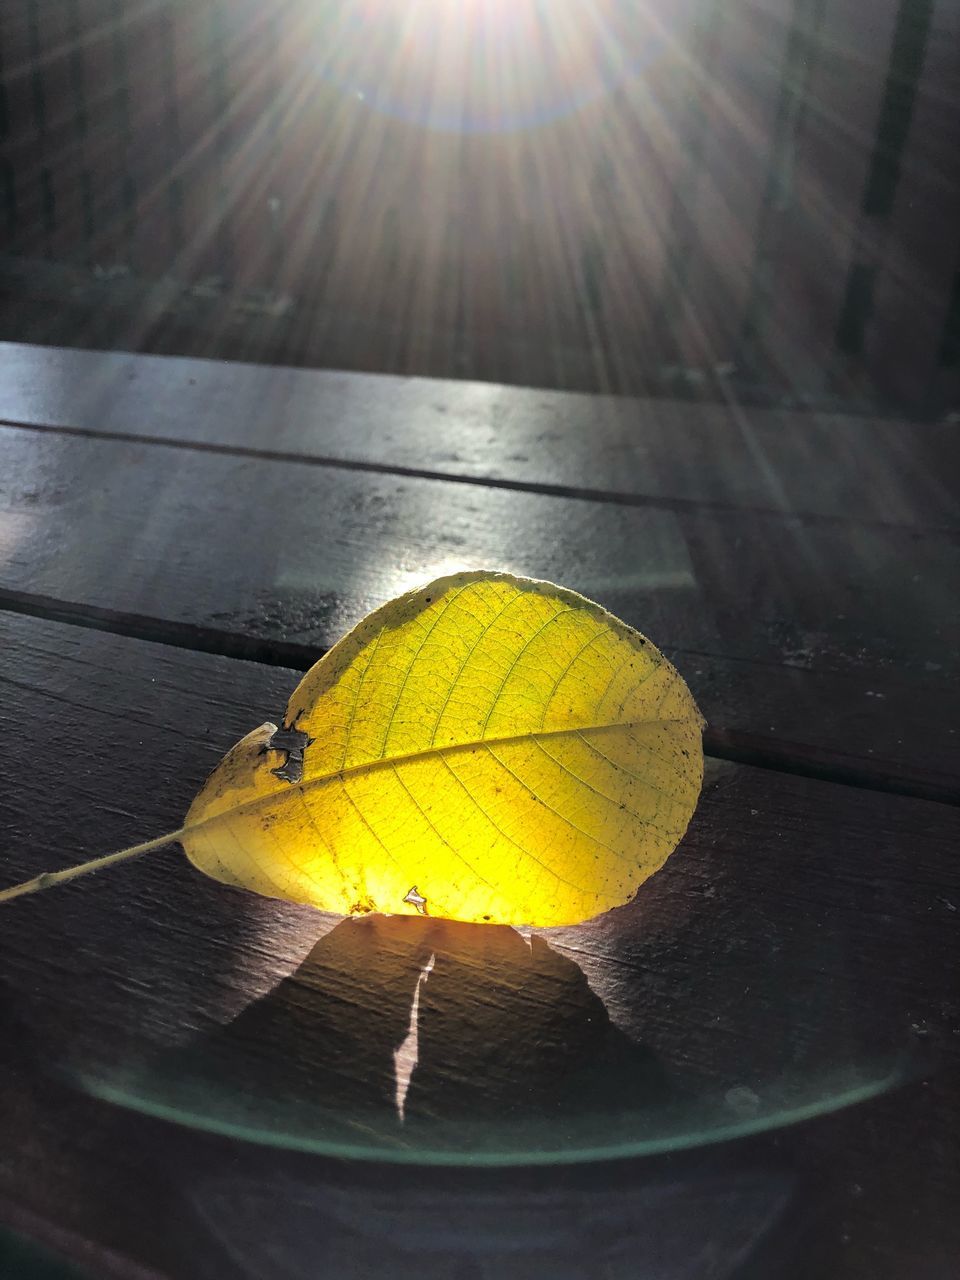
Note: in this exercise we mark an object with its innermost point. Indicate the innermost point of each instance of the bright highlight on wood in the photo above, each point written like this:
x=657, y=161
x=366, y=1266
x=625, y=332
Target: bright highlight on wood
x=485, y=748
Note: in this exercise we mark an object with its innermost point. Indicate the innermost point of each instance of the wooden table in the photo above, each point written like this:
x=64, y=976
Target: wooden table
x=179, y=538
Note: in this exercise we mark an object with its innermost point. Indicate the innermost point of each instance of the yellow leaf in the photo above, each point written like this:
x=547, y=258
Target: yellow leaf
x=485, y=748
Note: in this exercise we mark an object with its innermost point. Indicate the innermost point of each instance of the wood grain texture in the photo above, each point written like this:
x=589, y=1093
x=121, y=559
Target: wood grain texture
x=814, y=202
x=800, y=927
x=919, y=256
x=725, y=215
x=830, y=637
x=650, y=450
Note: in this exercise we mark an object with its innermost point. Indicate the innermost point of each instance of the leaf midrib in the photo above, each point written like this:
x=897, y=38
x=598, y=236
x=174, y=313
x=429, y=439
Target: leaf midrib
x=425, y=753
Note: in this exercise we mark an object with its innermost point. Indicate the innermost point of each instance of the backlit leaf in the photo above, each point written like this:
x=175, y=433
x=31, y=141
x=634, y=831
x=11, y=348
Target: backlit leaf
x=485, y=748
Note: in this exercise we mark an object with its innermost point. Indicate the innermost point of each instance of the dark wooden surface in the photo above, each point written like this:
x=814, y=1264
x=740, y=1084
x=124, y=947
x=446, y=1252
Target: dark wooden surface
x=804, y=934
x=623, y=450
x=745, y=958
x=824, y=641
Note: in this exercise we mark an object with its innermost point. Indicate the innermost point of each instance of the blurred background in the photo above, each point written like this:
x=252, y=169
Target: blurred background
x=748, y=200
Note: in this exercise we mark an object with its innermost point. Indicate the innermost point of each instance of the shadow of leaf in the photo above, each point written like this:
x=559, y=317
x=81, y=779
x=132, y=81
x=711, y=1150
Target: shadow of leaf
x=504, y=1035
x=510, y=1030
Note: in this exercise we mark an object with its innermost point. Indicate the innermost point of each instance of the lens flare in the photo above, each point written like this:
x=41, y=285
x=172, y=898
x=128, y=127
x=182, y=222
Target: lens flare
x=486, y=66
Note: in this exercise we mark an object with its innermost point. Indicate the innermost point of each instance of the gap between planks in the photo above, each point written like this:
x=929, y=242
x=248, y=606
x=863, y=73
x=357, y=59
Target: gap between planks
x=543, y=488
x=732, y=745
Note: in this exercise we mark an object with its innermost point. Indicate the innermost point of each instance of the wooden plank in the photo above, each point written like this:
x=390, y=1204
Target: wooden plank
x=79, y=32
x=920, y=252
x=22, y=84
x=741, y=99
x=151, y=152
x=31, y=1245
x=823, y=915
x=196, y=171
x=107, y=87
x=815, y=203
x=253, y=144
x=623, y=245
x=798, y=634
x=648, y=450
x=58, y=149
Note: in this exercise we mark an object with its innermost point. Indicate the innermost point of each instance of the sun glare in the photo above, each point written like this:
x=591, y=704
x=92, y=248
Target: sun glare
x=486, y=65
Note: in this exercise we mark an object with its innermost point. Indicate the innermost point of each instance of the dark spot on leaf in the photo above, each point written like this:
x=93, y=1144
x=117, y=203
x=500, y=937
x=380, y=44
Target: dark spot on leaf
x=294, y=742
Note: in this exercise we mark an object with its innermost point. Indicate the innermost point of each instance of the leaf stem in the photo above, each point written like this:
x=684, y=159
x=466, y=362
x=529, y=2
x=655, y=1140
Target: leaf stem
x=47, y=879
